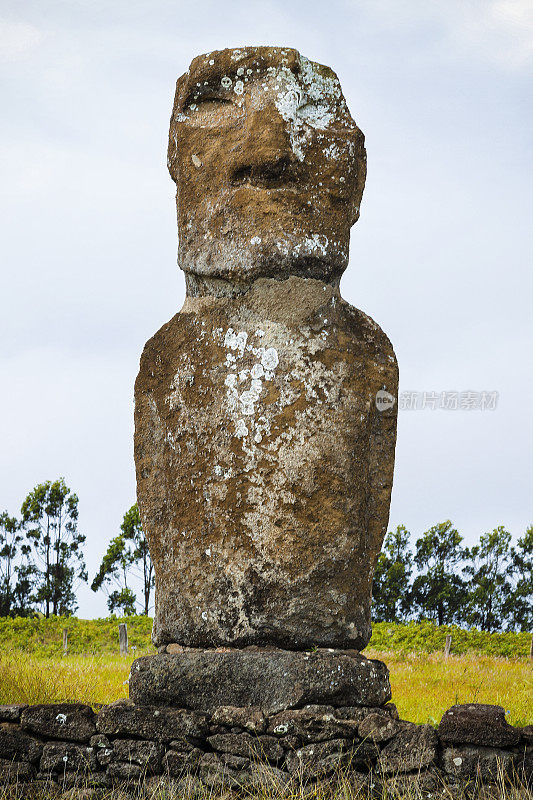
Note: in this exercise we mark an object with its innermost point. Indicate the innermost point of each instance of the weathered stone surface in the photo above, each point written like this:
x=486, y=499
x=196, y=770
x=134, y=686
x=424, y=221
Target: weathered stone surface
x=264, y=777
x=17, y=745
x=413, y=748
x=11, y=713
x=243, y=744
x=359, y=713
x=15, y=771
x=166, y=786
x=176, y=763
x=260, y=395
x=273, y=680
x=216, y=774
x=487, y=763
x=318, y=760
x=99, y=741
x=162, y=724
x=378, y=728
x=477, y=723
x=415, y=785
x=102, y=748
x=254, y=135
x=61, y=756
x=147, y=755
x=71, y=721
x=104, y=756
x=526, y=734
x=249, y=719
x=122, y=772
x=216, y=771
x=308, y=725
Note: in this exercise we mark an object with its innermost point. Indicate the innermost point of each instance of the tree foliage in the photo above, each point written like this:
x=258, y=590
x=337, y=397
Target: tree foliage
x=127, y=557
x=50, y=519
x=488, y=586
x=518, y=610
x=391, y=589
x=487, y=566
x=15, y=583
x=439, y=592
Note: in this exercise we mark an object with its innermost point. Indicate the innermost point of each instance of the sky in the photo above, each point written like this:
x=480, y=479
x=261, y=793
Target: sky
x=441, y=257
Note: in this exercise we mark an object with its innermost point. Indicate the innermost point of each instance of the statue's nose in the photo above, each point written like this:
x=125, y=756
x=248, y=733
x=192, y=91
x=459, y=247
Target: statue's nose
x=264, y=153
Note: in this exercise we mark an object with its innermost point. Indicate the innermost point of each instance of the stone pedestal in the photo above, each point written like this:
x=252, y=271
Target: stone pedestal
x=270, y=679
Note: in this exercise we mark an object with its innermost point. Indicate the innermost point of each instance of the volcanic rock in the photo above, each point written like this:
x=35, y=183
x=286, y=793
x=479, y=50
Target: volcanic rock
x=273, y=680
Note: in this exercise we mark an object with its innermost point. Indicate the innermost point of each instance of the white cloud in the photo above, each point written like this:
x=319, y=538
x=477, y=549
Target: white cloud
x=18, y=39
x=513, y=20
x=495, y=31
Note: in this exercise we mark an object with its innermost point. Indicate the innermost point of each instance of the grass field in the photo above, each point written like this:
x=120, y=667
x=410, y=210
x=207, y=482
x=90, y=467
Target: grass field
x=424, y=683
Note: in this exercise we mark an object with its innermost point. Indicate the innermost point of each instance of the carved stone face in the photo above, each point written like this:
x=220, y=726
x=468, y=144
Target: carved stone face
x=269, y=167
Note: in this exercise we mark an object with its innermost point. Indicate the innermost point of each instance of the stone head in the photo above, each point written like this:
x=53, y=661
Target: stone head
x=269, y=168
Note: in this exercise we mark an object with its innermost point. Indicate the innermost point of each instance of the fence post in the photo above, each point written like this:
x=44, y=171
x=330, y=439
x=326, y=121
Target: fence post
x=531, y=650
x=447, y=646
x=123, y=638
x=65, y=641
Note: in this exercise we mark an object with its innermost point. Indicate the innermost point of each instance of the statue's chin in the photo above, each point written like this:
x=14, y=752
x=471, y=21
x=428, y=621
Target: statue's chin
x=217, y=263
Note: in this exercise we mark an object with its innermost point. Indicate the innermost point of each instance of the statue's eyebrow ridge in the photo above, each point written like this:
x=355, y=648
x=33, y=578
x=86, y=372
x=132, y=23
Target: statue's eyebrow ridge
x=213, y=73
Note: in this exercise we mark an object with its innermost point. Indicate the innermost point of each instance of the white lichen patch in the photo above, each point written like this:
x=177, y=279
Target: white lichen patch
x=236, y=341
x=241, y=431
x=245, y=386
x=309, y=101
x=332, y=152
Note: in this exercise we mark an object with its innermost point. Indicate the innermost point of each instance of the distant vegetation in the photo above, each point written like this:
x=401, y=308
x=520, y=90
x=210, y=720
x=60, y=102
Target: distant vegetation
x=99, y=637
x=426, y=637
x=488, y=586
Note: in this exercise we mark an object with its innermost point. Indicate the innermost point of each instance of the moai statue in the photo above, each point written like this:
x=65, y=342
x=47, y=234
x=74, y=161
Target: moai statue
x=264, y=456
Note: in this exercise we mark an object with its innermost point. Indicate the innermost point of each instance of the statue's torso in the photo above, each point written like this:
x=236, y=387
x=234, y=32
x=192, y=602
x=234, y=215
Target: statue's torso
x=264, y=467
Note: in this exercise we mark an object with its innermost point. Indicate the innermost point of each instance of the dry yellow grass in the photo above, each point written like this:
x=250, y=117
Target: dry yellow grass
x=423, y=685
x=87, y=679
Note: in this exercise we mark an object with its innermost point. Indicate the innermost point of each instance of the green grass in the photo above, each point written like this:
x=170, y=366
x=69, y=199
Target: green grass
x=99, y=637
x=425, y=637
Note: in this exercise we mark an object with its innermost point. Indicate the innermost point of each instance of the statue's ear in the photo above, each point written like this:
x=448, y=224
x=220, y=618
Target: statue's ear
x=360, y=171
x=180, y=97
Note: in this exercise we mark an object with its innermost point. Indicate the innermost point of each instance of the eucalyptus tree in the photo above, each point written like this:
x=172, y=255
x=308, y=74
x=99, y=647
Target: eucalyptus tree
x=391, y=591
x=126, y=561
x=55, y=546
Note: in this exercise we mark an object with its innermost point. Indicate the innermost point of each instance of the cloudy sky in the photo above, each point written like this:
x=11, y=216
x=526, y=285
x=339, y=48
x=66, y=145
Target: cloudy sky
x=441, y=256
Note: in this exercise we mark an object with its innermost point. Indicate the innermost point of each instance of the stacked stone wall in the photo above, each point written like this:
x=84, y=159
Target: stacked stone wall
x=55, y=748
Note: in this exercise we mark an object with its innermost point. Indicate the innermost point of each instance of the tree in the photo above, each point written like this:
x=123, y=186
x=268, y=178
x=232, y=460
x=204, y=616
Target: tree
x=50, y=517
x=439, y=592
x=14, y=584
x=487, y=565
x=518, y=609
x=391, y=590
x=132, y=529
x=127, y=557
